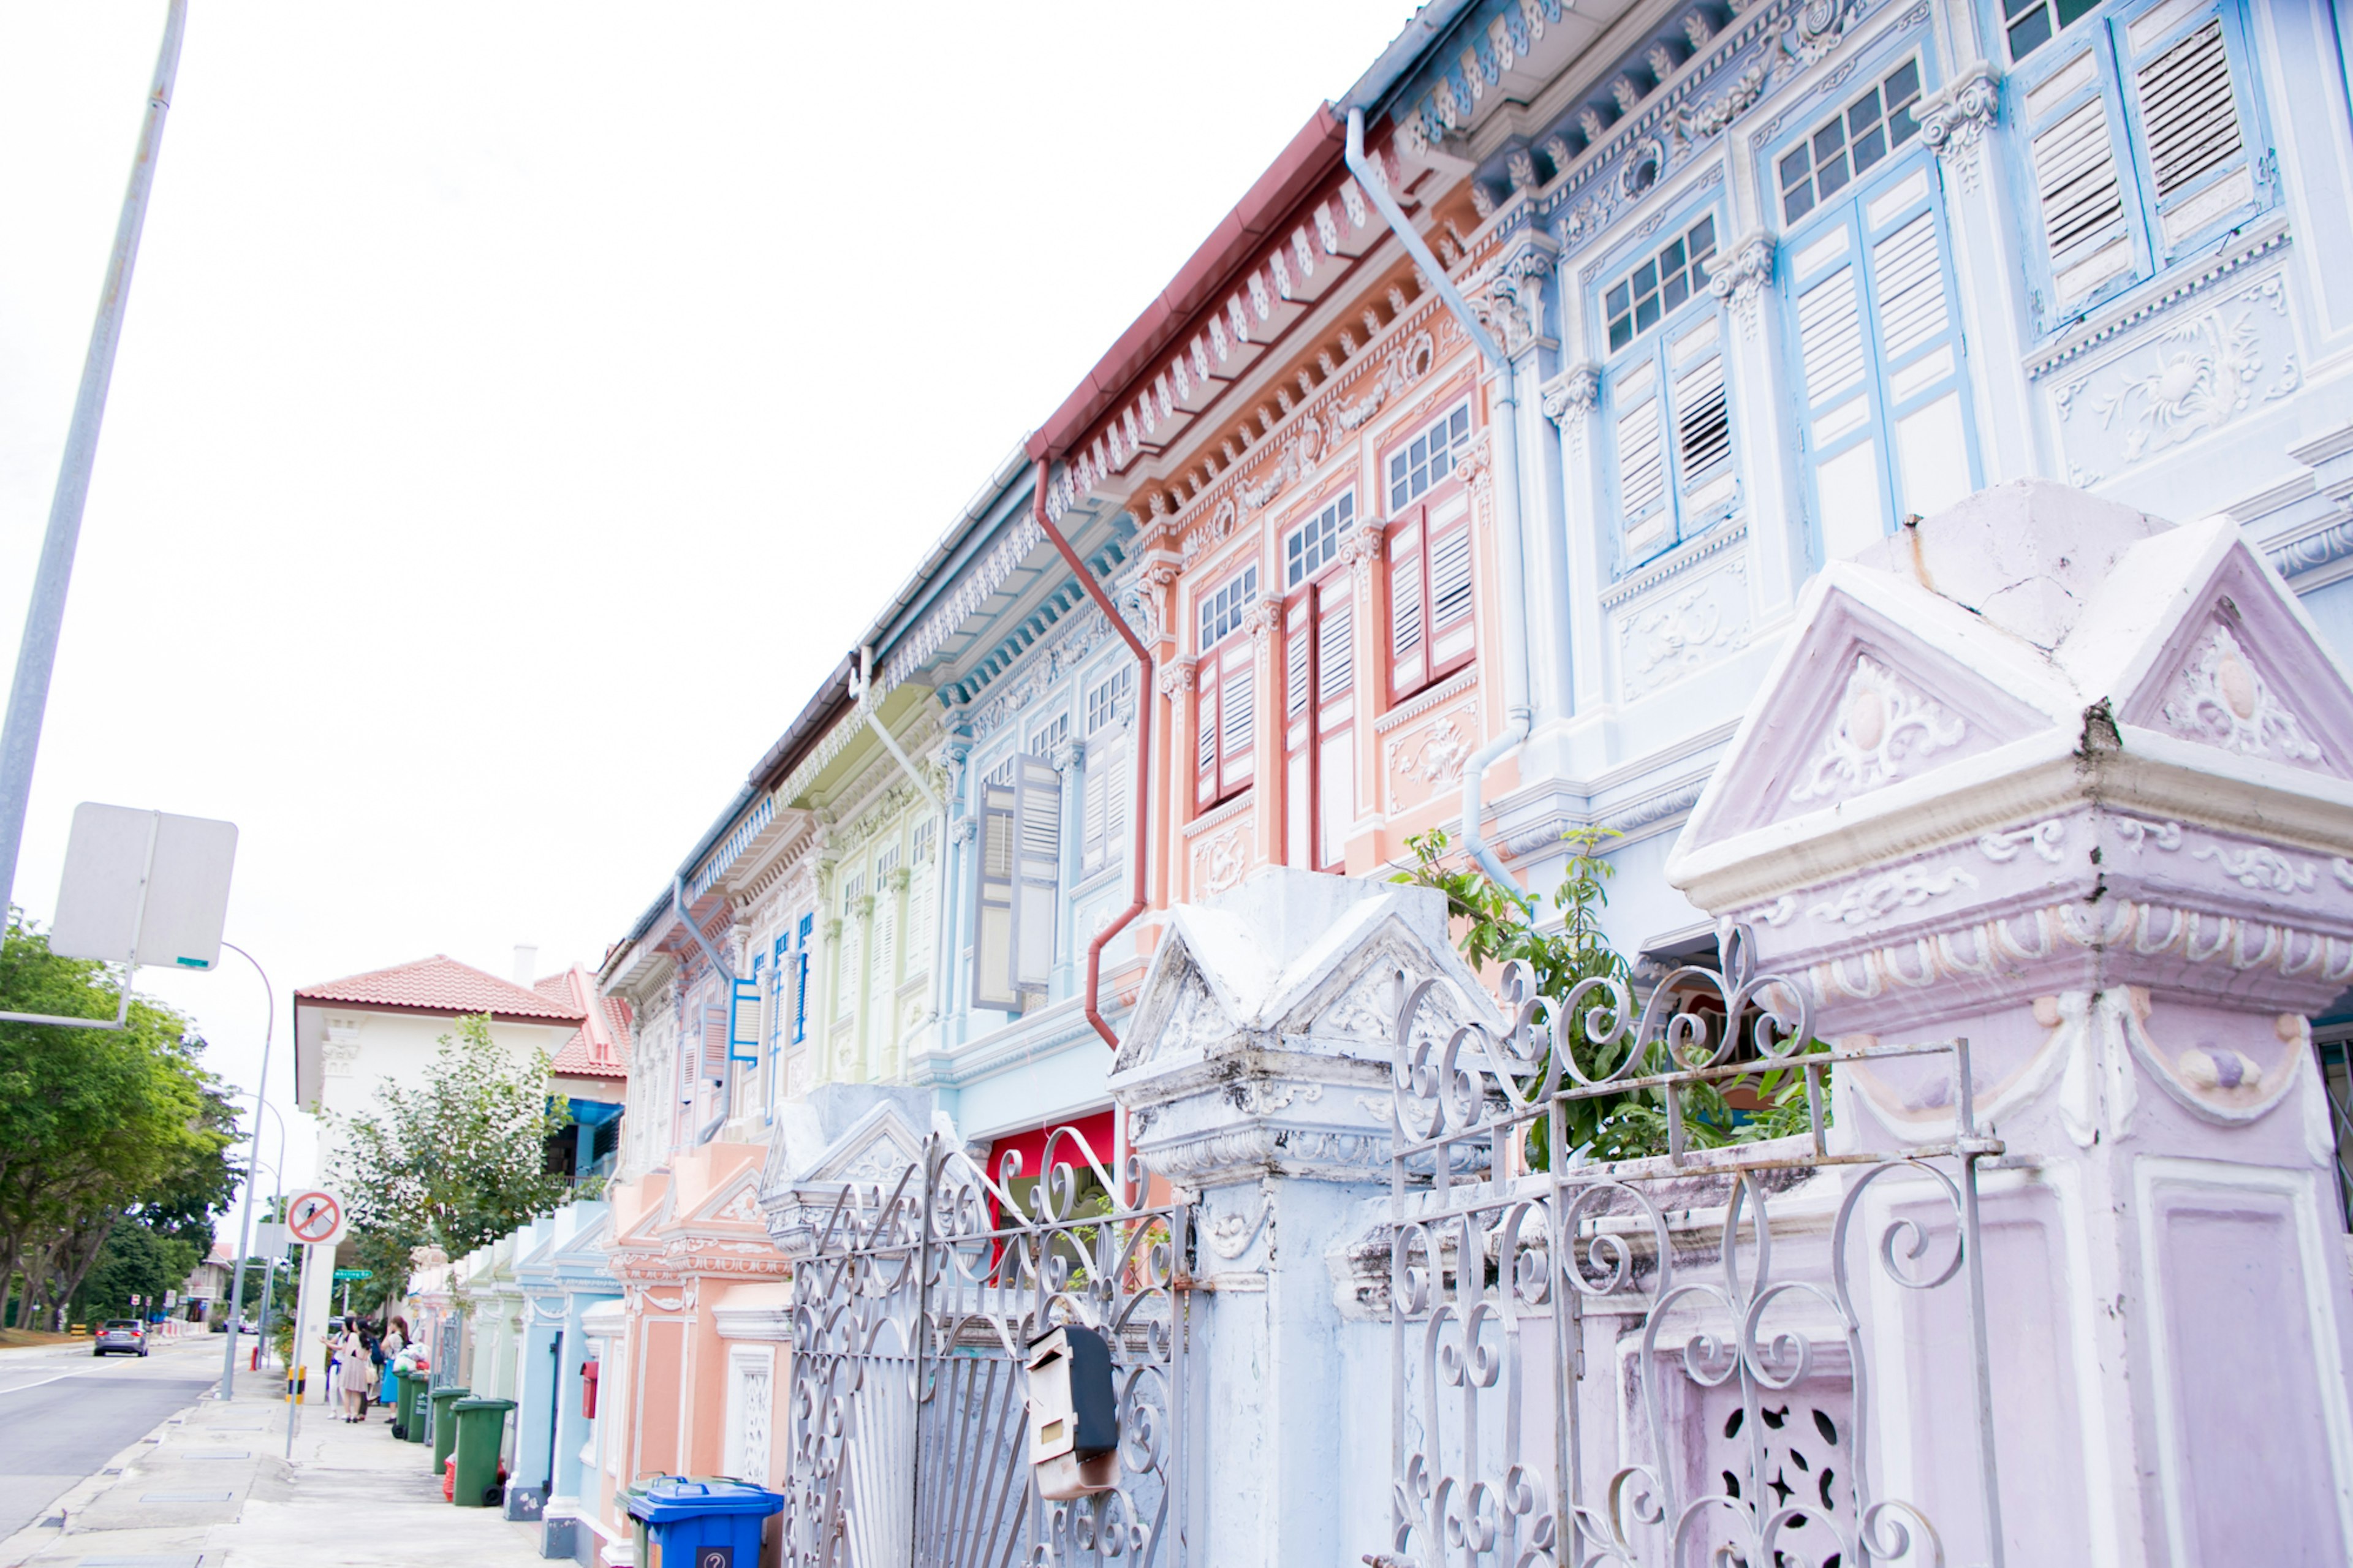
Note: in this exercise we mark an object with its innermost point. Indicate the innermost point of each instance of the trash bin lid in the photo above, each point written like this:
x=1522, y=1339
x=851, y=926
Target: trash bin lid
x=500, y=1405
x=666, y=1498
x=452, y=1393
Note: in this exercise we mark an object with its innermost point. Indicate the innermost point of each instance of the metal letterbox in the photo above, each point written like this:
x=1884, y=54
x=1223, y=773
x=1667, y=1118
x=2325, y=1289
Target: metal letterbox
x=1073, y=1413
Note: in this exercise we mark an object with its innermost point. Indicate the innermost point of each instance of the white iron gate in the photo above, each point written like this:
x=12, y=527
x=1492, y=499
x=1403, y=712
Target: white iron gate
x=1738, y=1388
x=912, y=1321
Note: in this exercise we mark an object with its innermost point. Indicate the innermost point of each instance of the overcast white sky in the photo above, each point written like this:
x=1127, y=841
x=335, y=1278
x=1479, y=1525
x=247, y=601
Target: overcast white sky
x=522, y=406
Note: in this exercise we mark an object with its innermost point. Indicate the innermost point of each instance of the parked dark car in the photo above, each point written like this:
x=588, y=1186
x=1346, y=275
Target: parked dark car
x=125, y=1334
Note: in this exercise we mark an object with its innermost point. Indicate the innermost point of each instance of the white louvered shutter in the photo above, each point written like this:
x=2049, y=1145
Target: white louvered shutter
x=714, y=1041
x=1409, y=649
x=1037, y=872
x=1703, y=426
x=2201, y=175
x=1237, y=716
x=1335, y=709
x=1205, y=731
x=1639, y=433
x=2078, y=186
x=993, y=979
x=1919, y=357
x=1297, y=700
x=1451, y=631
x=1841, y=430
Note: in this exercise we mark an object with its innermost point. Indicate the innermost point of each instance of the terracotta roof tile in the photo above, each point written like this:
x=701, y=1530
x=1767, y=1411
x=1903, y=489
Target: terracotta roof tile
x=442, y=985
x=600, y=1047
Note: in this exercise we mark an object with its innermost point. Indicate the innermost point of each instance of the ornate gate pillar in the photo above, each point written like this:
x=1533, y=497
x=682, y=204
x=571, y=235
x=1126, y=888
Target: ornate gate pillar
x=2078, y=786
x=1256, y=1074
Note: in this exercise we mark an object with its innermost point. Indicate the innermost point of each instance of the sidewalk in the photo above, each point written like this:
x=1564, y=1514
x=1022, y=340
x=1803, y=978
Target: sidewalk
x=211, y=1489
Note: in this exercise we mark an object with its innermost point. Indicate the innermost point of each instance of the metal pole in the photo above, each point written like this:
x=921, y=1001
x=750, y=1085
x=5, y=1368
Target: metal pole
x=28, y=696
x=253, y=1165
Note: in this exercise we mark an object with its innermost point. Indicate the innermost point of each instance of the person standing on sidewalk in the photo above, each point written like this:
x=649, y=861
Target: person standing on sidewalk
x=352, y=1371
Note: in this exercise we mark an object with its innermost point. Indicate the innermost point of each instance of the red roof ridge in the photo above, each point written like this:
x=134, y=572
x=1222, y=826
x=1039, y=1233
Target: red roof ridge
x=440, y=983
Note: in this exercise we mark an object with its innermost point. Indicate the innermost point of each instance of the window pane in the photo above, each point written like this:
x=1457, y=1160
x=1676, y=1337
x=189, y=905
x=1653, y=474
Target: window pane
x=1646, y=313
x=1621, y=332
x=2071, y=11
x=1827, y=141
x=1797, y=204
x=2030, y=34
x=1646, y=279
x=1832, y=176
x=1460, y=425
x=1670, y=259
x=1616, y=300
x=1676, y=292
x=1794, y=167
x=1702, y=236
x=1862, y=113
x=1869, y=148
x=1903, y=83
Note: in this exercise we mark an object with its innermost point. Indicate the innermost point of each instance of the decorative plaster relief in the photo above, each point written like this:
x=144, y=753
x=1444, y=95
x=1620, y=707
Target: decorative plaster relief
x=1418, y=760
x=2258, y=867
x=2220, y=698
x=1218, y=862
x=2137, y=833
x=1882, y=726
x=2187, y=377
x=1662, y=641
x=1954, y=121
x=1907, y=887
x=2044, y=837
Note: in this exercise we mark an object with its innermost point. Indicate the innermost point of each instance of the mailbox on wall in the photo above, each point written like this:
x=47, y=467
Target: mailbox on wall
x=1073, y=1414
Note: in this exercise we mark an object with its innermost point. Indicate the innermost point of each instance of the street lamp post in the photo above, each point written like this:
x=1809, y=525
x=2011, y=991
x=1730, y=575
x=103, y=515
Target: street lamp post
x=244, y=1220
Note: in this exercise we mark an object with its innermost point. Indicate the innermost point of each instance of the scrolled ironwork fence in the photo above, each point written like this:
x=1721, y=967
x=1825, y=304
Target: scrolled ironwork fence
x=1734, y=1422
x=912, y=1321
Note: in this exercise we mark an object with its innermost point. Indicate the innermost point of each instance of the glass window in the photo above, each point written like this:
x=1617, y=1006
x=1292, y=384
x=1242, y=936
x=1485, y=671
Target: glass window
x=1221, y=612
x=1429, y=457
x=1055, y=731
x=1637, y=302
x=2031, y=23
x=1105, y=696
x=1315, y=543
x=1850, y=142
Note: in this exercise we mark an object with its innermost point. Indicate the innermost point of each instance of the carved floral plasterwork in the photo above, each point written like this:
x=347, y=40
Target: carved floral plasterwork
x=2189, y=377
x=1428, y=753
x=1664, y=640
x=2220, y=698
x=1954, y=121
x=1218, y=862
x=1882, y=727
x=1905, y=888
x=2258, y=867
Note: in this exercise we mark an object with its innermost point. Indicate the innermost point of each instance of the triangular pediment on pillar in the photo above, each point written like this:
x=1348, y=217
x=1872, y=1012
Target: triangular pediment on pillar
x=858, y=1139
x=1263, y=1036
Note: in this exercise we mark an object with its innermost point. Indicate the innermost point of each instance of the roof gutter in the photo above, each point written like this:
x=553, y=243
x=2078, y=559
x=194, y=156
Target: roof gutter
x=1511, y=578
x=1139, y=822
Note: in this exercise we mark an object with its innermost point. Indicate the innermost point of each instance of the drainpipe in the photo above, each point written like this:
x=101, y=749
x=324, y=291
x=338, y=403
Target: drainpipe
x=720, y=966
x=1140, y=819
x=861, y=684
x=1517, y=714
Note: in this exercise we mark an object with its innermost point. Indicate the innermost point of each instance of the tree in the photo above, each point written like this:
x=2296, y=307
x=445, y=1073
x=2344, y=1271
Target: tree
x=456, y=1162
x=96, y=1125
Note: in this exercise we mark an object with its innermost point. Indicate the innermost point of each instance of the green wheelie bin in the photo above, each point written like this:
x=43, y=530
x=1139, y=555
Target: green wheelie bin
x=445, y=1430
x=481, y=1432
x=412, y=1407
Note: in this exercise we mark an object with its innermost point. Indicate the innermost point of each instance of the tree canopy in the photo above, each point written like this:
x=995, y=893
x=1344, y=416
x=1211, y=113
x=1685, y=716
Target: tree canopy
x=455, y=1161
x=98, y=1126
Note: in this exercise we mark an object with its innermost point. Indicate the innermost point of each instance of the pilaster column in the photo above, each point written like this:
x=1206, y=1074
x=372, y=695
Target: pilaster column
x=1772, y=496
x=1980, y=207
x=1568, y=400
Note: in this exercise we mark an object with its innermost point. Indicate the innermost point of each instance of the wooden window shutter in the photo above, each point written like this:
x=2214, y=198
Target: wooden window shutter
x=714, y=1040
x=1204, y=723
x=1237, y=716
x=993, y=981
x=1409, y=647
x=1452, y=632
x=2078, y=184
x=1335, y=710
x=1037, y=872
x=743, y=1018
x=2200, y=175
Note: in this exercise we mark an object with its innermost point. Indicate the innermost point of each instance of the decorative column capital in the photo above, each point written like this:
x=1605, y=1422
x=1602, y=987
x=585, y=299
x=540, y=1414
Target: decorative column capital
x=1362, y=547
x=1068, y=758
x=1572, y=393
x=1954, y=119
x=1176, y=679
x=962, y=829
x=1745, y=273
x=1262, y=620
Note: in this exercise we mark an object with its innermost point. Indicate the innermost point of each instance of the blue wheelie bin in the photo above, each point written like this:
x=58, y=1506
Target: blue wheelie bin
x=709, y=1523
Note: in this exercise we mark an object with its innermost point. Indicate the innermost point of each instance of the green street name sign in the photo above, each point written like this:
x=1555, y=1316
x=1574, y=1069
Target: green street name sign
x=355, y=1274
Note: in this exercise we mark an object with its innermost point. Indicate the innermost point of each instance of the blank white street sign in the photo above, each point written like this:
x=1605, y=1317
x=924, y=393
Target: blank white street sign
x=100, y=912
x=268, y=1240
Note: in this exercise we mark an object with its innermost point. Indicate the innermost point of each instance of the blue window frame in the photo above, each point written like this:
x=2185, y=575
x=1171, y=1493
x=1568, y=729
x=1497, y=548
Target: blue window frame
x=801, y=978
x=1672, y=472
x=2140, y=144
x=1879, y=371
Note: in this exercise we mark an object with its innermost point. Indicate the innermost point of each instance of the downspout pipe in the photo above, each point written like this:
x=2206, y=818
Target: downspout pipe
x=861, y=690
x=1139, y=821
x=1511, y=577
x=720, y=967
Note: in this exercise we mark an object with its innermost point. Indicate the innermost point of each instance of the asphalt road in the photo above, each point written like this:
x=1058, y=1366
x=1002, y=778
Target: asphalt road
x=64, y=1414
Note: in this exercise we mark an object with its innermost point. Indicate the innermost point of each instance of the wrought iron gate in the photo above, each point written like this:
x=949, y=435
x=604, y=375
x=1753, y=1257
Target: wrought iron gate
x=908, y=1436
x=1731, y=1366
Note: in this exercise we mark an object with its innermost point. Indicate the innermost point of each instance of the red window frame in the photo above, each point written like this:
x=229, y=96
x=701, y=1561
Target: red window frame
x=1225, y=754
x=1321, y=682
